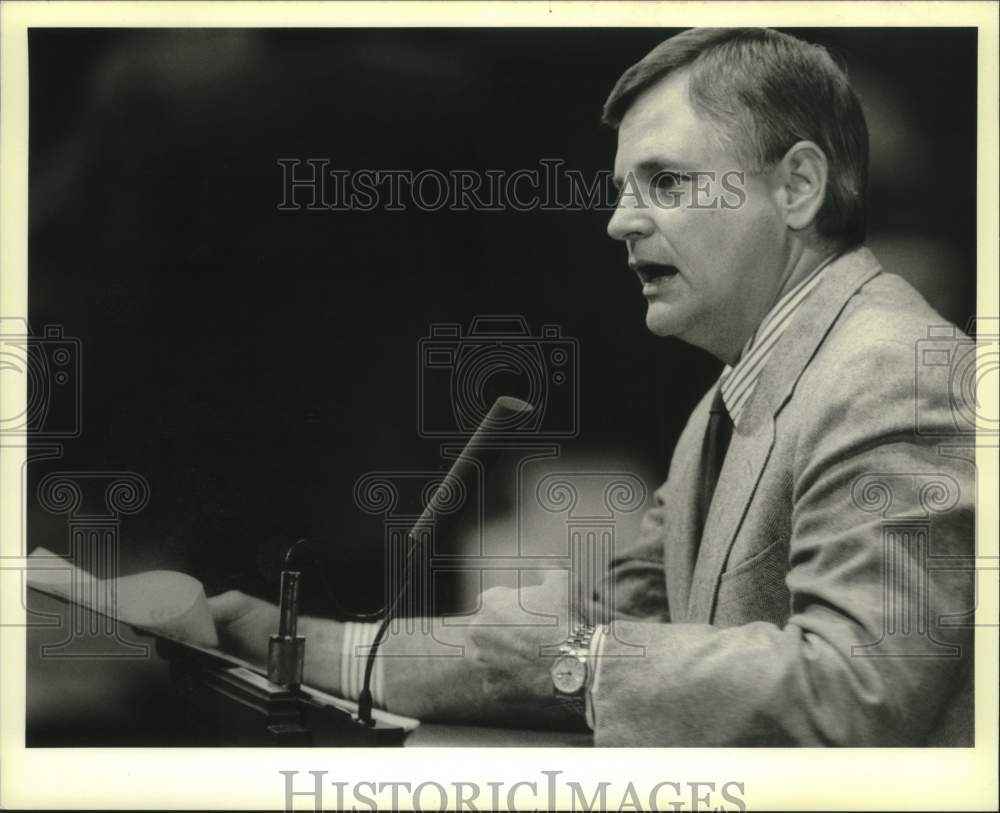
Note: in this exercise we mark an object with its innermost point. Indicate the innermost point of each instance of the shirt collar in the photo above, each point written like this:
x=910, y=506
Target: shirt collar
x=738, y=382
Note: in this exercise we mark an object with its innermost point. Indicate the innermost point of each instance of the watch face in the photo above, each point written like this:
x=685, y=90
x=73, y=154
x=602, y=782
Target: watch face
x=569, y=674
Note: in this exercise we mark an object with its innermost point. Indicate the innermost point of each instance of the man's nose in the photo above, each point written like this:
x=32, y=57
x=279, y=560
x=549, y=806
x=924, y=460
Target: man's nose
x=630, y=221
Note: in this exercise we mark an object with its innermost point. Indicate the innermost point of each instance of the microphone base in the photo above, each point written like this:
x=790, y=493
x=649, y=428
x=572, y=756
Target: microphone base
x=285, y=660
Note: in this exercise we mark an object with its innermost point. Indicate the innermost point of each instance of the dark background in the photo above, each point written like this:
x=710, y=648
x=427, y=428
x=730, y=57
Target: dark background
x=252, y=363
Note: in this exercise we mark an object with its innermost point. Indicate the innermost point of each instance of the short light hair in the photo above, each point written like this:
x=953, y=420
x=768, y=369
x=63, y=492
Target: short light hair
x=767, y=90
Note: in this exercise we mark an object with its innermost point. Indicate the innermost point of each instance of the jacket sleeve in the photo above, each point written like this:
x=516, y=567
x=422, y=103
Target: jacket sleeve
x=871, y=651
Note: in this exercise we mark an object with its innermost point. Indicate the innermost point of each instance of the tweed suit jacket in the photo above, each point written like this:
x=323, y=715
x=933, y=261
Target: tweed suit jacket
x=828, y=600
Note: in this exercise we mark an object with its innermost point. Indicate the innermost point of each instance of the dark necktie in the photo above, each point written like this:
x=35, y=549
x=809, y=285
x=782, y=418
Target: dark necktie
x=717, y=436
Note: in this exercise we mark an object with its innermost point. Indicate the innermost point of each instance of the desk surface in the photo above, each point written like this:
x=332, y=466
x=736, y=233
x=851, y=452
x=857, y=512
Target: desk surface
x=433, y=735
x=130, y=702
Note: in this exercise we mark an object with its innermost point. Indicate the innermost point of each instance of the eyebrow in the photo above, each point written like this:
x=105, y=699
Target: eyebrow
x=652, y=166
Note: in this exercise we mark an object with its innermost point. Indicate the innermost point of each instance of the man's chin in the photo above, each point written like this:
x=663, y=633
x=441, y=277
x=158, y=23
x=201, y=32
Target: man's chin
x=661, y=320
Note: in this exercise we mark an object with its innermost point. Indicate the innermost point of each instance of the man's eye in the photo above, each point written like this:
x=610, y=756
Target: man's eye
x=668, y=180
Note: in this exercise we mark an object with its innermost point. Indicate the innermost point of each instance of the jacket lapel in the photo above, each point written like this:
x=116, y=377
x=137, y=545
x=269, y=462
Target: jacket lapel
x=748, y=452
x=682, y=511
x=753, y=436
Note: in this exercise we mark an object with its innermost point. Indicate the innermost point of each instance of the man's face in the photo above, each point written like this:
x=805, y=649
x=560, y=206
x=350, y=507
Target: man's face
x=708, y=274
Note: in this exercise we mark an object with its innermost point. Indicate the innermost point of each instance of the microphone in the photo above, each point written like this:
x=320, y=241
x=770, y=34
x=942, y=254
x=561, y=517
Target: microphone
x=507, y=412
x=286, y=649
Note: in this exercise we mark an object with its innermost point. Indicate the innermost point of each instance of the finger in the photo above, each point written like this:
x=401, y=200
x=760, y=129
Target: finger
x=227, y=607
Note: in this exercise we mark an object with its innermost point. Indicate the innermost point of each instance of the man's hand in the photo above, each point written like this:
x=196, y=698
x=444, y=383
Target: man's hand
x=244, y=624
x=511, y=657
x=501, y=677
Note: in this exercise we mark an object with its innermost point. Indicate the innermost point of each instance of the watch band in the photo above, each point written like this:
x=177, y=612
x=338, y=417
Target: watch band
x=577, y=646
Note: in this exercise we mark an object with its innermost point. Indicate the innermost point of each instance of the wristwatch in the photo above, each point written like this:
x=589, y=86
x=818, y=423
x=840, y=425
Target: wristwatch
x=571, y=670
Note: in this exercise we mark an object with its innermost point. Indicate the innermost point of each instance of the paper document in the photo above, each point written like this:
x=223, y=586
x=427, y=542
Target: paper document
x=165, y=603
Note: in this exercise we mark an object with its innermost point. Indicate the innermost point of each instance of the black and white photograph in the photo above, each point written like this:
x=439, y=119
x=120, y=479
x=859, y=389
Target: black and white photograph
x=437, y=384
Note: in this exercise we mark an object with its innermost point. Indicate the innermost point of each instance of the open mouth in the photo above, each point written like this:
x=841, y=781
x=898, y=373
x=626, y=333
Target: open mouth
x=651, y=272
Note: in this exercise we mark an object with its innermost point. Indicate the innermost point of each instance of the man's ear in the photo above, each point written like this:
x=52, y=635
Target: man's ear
x=801, y=178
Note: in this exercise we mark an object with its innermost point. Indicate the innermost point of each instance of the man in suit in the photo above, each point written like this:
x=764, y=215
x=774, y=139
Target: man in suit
x=799, y=579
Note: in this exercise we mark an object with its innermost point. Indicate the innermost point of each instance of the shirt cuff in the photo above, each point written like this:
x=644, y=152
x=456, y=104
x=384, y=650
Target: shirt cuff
x=358, y=638
x=593, y=658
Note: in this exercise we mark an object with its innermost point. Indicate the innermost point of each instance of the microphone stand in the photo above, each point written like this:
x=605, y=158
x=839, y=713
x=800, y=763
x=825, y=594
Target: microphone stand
x=505, y=411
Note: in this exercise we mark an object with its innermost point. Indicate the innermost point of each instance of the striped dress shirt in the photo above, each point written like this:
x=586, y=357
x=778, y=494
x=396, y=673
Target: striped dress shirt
x=739, y=382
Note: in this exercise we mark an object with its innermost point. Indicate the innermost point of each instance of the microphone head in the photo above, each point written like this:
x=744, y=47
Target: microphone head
x=507, y=412
x=508, y=403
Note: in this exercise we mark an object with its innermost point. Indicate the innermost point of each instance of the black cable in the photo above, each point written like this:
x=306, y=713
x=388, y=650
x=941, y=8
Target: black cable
x=387, y=613
x=365, y=699
x=342, y=611
x=290, y=551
